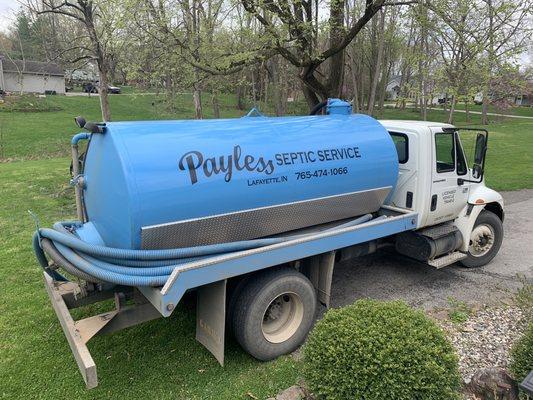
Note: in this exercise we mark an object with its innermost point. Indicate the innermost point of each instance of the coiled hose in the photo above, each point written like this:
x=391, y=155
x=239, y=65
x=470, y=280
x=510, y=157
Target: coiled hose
x=127, y=267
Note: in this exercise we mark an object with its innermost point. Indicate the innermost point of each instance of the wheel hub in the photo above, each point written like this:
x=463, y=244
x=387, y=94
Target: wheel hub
x=481, y=240
x=274, y=310
x=282, y=317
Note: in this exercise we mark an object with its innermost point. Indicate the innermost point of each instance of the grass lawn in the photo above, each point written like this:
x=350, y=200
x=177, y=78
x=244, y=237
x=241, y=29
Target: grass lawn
x=159, y=359
x=523, y=111
x=519, y=111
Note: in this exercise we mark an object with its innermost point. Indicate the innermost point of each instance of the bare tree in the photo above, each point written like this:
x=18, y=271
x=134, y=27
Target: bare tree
x=90, y=14
x=297, y=42
x=504, y=34
x=20, y=68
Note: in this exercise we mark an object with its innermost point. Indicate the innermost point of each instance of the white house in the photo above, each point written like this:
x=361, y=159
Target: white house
x=31, y=76
x=87, y=74
x=393, y=87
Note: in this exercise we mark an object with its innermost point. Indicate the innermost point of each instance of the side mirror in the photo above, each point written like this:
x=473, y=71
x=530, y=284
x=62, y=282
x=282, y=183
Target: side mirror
x=477, y=171
x=479, y=156
x=481, y=147
x=476, y=144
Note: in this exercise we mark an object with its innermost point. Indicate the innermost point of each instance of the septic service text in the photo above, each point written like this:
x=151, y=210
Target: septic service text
x=196, y=163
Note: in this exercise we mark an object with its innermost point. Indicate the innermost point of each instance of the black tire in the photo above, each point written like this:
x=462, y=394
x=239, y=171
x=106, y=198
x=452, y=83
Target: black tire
x=491, y=220
x=234, y=291
x=266, y=293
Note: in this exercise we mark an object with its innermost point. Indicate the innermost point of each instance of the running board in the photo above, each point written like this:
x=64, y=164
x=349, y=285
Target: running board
x=446, y=260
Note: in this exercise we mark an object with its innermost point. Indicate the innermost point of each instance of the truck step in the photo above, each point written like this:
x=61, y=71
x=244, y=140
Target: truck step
x=438, y=231
x=447, y=259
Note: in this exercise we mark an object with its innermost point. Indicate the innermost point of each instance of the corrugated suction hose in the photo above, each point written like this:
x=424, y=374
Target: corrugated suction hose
x=128, y=267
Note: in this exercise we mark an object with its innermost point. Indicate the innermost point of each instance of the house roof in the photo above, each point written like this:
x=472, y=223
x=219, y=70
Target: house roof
x=31, y=67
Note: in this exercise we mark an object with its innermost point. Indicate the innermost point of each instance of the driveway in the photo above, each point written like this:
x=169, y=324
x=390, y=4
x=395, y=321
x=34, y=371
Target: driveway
x=387, y=276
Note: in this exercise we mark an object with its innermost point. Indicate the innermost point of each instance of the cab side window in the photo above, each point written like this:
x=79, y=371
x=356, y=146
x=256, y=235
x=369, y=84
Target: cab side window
x=401, y=142
x=445, y=151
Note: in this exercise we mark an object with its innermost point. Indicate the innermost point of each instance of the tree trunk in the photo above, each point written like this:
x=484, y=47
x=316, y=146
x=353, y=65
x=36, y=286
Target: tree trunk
x=310, y=96
x=195, y=24
x=216, y=106
x=467, y=111
x=272, y=68
x=314, y=90
x=197, y=100
x=383, y=89
x=377, y=66
x=452, y=110
x=336, y=62
x=423, y=63
x=239, y=97
x=405, y=70
x=101, y=58
x=355, y=86
x=485, y=108
x=104, y=99
x=490, y=49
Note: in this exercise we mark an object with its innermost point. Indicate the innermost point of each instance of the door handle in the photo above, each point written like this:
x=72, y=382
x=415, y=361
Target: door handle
x=433, y=202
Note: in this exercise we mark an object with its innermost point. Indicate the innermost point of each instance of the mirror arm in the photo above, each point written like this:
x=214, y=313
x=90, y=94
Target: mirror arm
x=461, y=181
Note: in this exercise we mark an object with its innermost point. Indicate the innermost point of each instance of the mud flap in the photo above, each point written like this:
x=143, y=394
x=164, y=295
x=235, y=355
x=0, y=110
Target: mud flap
x=211, y=318
x=319, y=270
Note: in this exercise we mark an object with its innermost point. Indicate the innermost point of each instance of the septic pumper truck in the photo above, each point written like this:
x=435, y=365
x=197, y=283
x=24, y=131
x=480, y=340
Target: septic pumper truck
x=252, y=214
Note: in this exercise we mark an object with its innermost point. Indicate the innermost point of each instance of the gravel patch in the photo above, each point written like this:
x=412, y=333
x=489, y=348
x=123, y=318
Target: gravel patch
x=486, y=338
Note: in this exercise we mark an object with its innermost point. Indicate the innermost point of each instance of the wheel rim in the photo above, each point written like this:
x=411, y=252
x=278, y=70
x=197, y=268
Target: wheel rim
x=481, y=240
x=282, y=317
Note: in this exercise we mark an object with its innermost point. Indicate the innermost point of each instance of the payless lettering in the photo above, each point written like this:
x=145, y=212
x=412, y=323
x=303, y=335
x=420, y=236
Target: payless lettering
x=194, y=160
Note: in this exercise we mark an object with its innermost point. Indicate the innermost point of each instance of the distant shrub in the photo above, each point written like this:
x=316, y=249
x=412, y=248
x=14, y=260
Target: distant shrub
x=28, y=103
x=380, y=350
x=522, y=355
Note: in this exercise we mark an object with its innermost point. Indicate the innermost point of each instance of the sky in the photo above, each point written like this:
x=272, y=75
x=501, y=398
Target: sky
x=7, y=10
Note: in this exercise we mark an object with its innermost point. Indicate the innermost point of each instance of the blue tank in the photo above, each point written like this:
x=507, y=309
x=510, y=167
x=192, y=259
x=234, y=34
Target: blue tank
x=161, y=184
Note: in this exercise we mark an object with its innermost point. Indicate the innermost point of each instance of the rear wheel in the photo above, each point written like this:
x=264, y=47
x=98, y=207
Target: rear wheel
x=485, y=240
x=274, y=312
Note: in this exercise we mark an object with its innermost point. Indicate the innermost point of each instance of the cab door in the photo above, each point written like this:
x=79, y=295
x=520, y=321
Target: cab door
x=448, y=197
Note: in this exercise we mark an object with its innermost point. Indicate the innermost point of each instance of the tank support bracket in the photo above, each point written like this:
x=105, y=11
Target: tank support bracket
x=79, y=332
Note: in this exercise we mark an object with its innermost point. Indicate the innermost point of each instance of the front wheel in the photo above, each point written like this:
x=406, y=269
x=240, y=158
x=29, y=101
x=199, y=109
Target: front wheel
x=485, y=240
x=274, y=312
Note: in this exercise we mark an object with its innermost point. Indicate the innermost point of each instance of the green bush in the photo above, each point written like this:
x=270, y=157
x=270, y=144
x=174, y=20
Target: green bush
x=524, y=299
x=522, y=355
x=380, y=350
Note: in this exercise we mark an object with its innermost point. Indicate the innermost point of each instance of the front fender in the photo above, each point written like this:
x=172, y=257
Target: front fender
x=479, y=198
x=484, y=195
